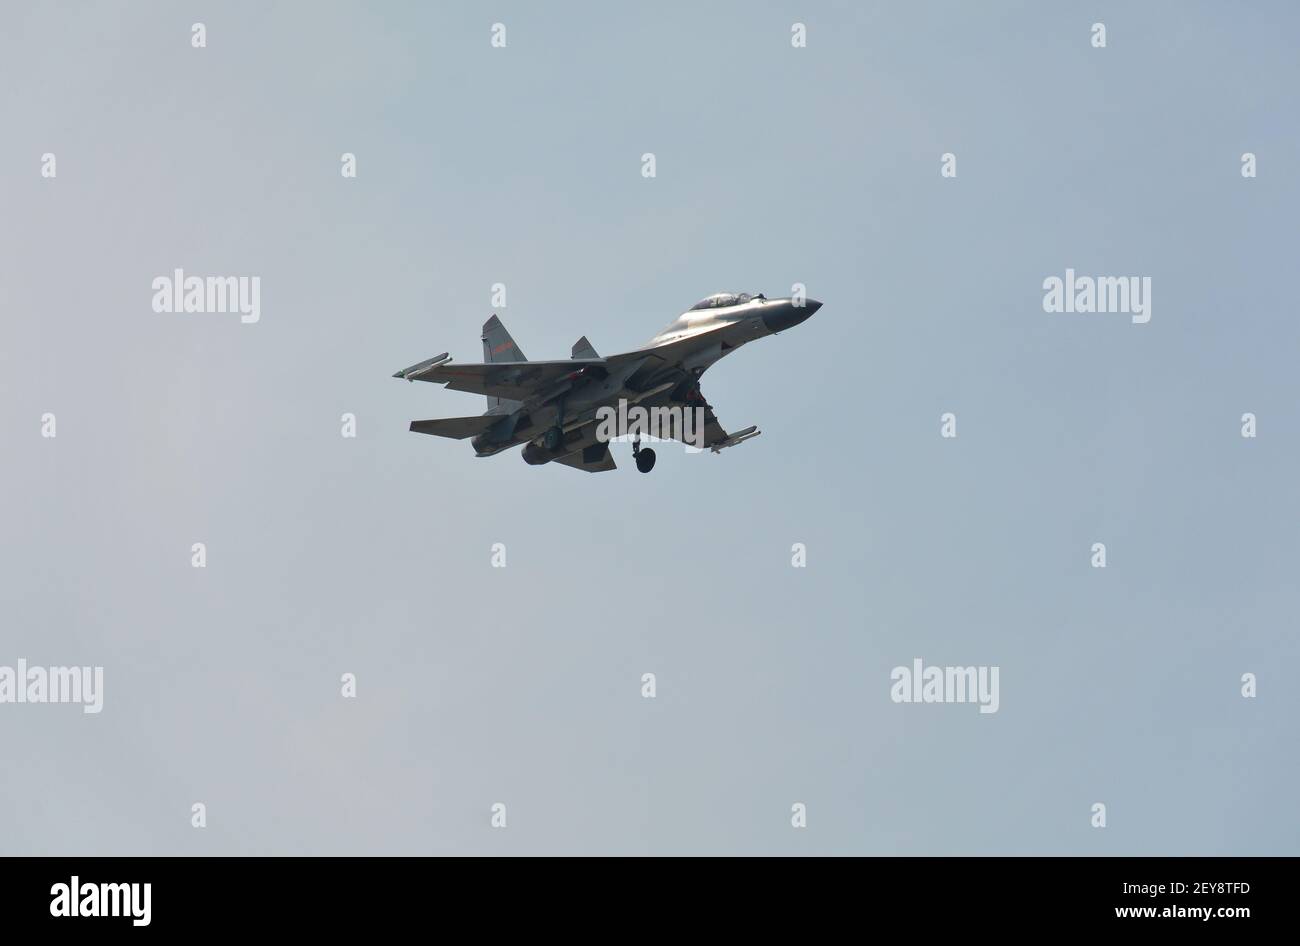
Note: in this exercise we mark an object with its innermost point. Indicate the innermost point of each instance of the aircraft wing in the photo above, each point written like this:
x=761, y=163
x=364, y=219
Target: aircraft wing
x=512, y=380
x=715, y=436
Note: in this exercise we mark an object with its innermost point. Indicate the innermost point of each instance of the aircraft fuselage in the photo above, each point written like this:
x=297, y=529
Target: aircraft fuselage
x=676, y=357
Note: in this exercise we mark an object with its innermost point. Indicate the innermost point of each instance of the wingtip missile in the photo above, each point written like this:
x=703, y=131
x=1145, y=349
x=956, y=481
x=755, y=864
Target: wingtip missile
x=739, y=437
x=416, y=371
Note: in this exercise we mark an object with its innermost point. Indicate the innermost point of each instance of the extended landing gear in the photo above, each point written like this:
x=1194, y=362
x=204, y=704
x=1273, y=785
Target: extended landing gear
x=645, y=459
x=553, y=439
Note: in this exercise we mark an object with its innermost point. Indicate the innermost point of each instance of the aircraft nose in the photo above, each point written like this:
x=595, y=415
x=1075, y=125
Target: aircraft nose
x=789, y=315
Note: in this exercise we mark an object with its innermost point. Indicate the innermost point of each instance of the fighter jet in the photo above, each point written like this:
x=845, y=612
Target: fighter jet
x=553, y=407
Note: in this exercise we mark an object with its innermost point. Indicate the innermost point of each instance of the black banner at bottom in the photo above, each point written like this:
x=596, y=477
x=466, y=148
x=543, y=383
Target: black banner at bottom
x=334, y=895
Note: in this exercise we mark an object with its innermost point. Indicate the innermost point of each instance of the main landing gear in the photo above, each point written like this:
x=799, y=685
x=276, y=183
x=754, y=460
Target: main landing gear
x=645, y=459
x=553, y=439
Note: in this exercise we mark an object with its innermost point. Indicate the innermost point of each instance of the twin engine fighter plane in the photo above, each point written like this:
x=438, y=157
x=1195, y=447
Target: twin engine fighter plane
x=552, y=406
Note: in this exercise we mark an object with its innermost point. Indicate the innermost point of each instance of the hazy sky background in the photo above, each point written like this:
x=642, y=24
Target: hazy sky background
x=522, y=685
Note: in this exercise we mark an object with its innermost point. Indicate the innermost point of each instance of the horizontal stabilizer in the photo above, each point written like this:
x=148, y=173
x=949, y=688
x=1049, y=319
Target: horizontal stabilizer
x=457, y=428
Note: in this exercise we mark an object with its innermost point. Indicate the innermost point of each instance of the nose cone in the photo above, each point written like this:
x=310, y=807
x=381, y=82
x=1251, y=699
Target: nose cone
x=786, y=314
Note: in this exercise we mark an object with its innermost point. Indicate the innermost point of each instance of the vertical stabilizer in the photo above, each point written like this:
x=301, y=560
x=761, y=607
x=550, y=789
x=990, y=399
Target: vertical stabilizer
x=499, y=346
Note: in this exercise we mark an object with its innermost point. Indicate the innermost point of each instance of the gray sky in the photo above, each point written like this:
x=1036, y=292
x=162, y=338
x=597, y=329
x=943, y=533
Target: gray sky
x=522, y=685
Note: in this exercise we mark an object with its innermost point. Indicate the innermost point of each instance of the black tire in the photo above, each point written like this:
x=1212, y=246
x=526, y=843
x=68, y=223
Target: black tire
x=554, y=439
x=645, y=460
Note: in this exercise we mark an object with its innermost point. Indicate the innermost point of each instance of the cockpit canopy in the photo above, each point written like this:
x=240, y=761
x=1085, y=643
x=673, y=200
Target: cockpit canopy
x=720, y=299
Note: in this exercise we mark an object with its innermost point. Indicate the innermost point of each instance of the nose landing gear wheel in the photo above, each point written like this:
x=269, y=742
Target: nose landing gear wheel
x=553, y=439
x=645, y=459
